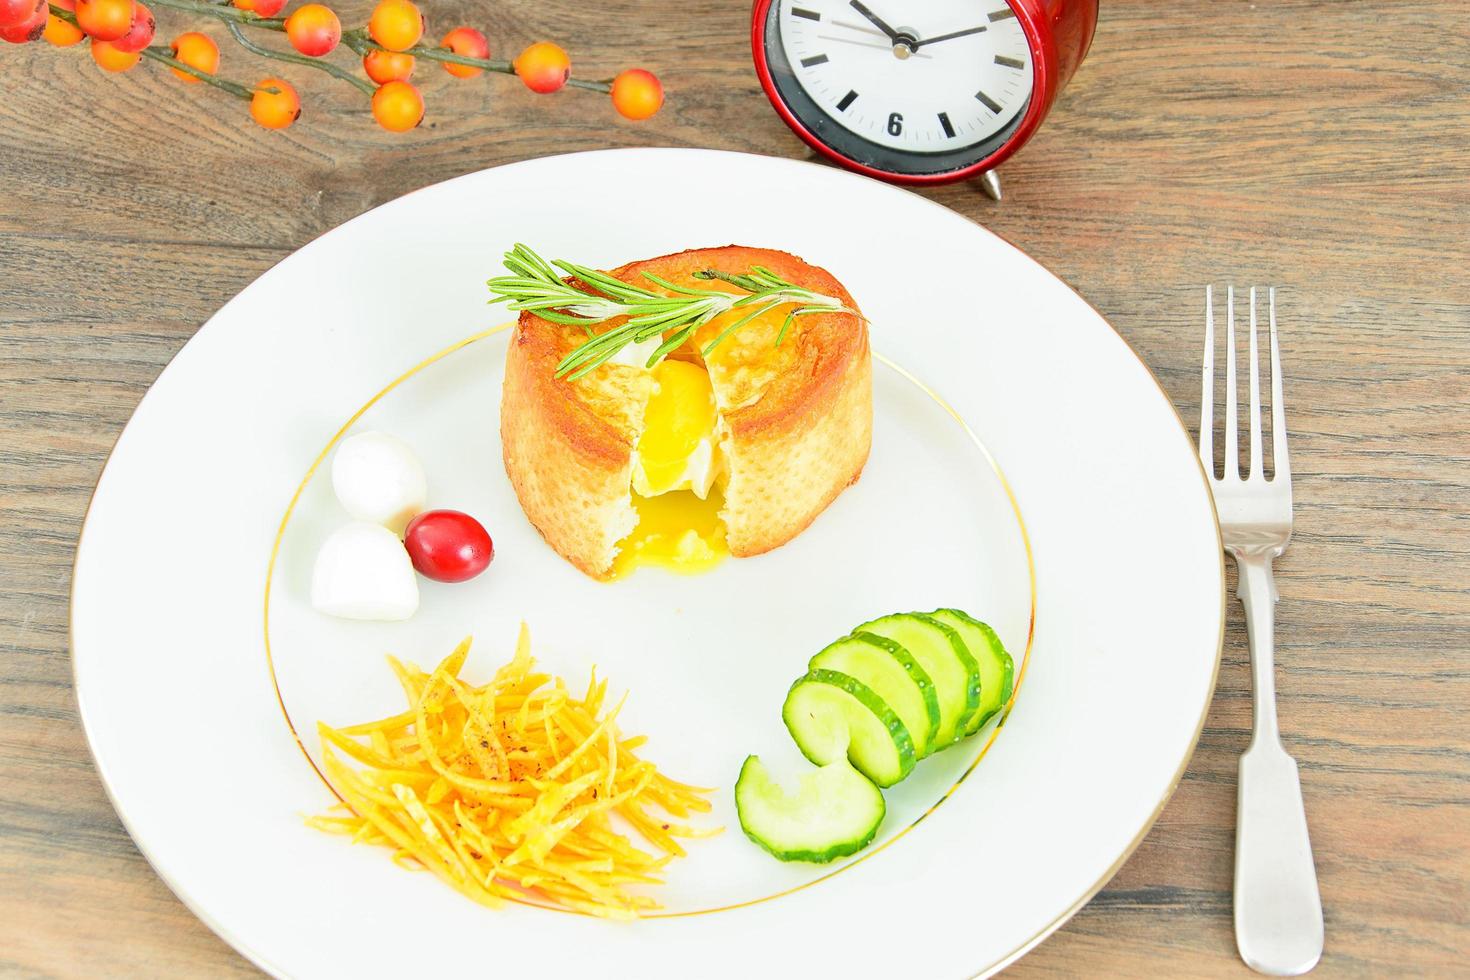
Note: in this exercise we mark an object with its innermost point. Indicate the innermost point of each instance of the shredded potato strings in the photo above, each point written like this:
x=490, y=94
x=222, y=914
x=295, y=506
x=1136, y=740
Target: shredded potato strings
x=509, y=790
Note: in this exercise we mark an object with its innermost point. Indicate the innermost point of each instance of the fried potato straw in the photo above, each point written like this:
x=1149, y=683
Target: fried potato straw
x=507, y=790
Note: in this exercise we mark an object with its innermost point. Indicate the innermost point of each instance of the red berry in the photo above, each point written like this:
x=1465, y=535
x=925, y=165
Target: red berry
x=275, y=104
x=387, y=66
x=105, y=20
x=396, y=24
x=398, y=106
x=29, y=29
x=313, y=29
x=637, y=94
x=110, y=58
x=198, y=51
x=140, y=35
x=62, y=33
x=544, y=67
x=448, y=546
x=262, y=8
x=468, y=42
x=13, y=13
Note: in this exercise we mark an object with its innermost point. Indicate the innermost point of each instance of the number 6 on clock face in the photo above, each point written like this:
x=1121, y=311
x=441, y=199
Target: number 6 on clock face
x=918, y=92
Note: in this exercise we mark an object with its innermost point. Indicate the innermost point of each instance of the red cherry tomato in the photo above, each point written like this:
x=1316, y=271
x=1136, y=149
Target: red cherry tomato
x=448, y=546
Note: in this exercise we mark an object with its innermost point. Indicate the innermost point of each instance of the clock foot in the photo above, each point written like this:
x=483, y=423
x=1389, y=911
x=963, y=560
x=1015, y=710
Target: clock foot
x=990, y=184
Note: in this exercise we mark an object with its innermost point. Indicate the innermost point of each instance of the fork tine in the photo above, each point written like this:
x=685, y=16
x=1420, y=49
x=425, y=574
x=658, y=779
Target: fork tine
x=1232, y=407
x=1207, y=397
x=1281, y=463
x=1255, y=471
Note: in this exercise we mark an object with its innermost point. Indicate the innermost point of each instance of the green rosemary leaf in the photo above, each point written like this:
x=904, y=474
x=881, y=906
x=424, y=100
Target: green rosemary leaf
x=785, y=325
x=527, y=257
x=606, y=283
x=597, y=350
x=682, y=290
x=591, y=365
x=535, y=284
x=678, y=340
x=567, y=319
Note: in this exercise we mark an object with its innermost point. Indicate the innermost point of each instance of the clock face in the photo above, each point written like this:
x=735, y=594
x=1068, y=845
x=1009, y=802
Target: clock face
x=919, y=77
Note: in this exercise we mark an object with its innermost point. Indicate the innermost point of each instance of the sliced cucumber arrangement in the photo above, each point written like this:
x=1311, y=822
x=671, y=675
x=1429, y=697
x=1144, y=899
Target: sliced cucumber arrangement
x=946, y=659
x=834, y=812
x=892, y=674
x=832, y=716
x=995, y=664
x=871, y=704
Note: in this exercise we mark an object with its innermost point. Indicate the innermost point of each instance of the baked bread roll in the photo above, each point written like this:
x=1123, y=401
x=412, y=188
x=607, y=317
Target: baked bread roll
x=792, y=425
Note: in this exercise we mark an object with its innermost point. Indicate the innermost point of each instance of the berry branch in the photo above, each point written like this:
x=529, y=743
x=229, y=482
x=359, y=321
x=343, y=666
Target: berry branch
x=299, y=59
x=224, y=11
x=121, y=33
x=234, y=88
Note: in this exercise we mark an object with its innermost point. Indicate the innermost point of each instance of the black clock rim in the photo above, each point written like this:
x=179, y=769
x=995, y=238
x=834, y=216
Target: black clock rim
x=862, y=151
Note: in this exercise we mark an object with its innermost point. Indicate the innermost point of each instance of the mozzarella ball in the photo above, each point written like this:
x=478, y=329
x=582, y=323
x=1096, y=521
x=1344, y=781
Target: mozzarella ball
x=378, y=478
x=363, y=572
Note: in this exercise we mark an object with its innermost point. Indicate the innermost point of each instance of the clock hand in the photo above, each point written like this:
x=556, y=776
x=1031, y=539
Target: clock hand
x=857, y=27
x=921, y=42
x=881, y=46
x=874, y=19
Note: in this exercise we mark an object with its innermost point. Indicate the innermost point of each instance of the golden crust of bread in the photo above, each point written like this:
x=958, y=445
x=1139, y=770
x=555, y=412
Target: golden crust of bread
x=796, y=419
x=568, y=445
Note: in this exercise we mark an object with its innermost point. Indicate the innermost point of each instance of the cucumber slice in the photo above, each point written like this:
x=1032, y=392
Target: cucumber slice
x=943, y=654
x=834, y=812
x=895, y=676
x=831, y=716
x=995, y=664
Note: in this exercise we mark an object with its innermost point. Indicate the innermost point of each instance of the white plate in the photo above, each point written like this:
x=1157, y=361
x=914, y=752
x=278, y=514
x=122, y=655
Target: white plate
x=1100, y=534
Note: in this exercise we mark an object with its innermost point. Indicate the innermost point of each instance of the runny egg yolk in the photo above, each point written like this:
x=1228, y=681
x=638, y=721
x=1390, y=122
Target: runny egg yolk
x=677, y=531
x=679, y=526
x=676, y=449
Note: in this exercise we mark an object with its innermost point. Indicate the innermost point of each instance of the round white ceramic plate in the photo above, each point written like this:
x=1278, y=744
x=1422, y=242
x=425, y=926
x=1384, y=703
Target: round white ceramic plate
x=1071, y=514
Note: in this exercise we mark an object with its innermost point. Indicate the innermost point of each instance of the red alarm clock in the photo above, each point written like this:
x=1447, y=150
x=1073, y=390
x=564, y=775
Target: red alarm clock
x=919, y=92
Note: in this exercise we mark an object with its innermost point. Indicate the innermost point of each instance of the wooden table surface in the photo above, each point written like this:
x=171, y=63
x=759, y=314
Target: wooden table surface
x=1320, y=146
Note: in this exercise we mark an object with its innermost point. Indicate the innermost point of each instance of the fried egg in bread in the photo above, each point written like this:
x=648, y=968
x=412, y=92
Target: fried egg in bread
x=747, y=446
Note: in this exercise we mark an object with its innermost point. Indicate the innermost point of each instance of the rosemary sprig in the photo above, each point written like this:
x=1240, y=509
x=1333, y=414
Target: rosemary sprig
x=537, y=285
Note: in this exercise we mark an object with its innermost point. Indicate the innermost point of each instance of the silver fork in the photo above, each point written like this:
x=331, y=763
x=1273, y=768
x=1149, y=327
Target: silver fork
x=1278, y=909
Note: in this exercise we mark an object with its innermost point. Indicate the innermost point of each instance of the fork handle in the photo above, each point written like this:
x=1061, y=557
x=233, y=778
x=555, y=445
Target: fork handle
x=1278, y=909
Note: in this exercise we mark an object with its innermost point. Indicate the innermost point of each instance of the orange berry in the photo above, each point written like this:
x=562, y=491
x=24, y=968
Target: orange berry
x=313, y=29
x=468, y=42
x=396, y=24
x=29, y=29
x=105, y=20
x=398, y=107
x=198, y=51
x=275, y=110
x=262, y=8
x=60, y=32
x=14, y=13
x=140, y=35
x=110, y=57
x=544, y=67
x=637, y=94
x=387, y=66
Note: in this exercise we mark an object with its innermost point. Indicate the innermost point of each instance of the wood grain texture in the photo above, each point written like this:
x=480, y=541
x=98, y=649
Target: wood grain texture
x=1320, y=145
